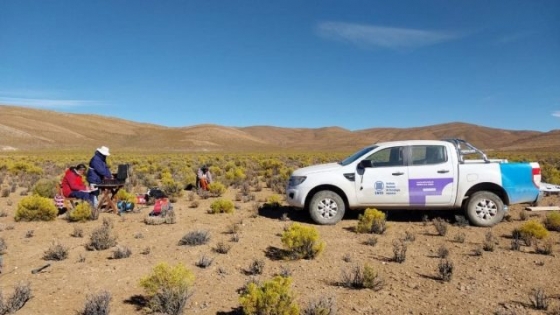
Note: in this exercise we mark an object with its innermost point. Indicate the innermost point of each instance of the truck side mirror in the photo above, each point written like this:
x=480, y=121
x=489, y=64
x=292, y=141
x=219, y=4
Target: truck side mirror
x=365, y=164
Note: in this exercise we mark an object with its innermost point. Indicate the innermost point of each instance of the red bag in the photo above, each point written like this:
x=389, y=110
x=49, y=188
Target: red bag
x=140, y=199
x=160, y=204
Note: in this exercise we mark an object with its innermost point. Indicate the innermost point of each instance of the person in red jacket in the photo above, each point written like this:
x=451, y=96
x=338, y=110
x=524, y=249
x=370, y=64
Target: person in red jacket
x=73, y=184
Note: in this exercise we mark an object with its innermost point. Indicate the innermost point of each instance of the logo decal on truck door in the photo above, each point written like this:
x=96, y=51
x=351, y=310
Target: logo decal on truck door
x=389, y=188
x=422, y=187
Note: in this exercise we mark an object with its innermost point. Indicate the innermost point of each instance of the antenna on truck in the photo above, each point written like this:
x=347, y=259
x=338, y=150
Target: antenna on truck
x=465, y=148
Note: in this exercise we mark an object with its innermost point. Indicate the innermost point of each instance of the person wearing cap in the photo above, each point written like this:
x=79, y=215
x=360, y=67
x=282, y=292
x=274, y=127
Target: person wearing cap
x=203, y=177
x=98, y=169
x=73, y=184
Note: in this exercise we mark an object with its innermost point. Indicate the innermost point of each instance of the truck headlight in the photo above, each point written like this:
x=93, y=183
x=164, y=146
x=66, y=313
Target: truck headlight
x=296, y=180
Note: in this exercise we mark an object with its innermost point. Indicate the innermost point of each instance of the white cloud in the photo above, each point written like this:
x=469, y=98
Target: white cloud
x=514, y=37
x=43, y=103
x=556, y=114
x=371, y=36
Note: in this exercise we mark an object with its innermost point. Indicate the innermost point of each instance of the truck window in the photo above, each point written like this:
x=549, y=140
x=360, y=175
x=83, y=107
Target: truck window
x=356, y=155
x=387, y=157
x=428, y=154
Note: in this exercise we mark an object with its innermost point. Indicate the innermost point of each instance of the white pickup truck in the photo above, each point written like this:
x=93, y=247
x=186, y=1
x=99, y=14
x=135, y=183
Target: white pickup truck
x=415, y=174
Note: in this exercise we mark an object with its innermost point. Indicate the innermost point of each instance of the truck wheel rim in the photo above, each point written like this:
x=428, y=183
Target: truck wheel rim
x=327, y=208
x=486, y=209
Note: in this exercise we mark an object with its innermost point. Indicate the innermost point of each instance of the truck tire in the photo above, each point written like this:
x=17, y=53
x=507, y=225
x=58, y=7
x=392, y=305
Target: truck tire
x=326, y=207
x=485, y=208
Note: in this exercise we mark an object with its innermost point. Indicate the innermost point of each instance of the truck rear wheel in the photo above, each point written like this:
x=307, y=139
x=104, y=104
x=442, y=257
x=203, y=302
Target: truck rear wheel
x=485, y=208
x=326, y=207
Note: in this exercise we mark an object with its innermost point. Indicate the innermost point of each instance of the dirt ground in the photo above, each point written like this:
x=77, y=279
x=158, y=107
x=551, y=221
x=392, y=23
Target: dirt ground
x=497, y=282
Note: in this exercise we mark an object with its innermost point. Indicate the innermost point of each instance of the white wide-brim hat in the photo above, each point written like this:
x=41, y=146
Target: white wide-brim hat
x=104, y=150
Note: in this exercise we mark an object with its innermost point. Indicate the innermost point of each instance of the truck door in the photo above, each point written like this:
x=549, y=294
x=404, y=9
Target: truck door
x=386, y=181
x=431, y=176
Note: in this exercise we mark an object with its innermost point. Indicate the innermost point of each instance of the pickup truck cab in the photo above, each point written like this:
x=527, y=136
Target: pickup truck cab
x=415, y=174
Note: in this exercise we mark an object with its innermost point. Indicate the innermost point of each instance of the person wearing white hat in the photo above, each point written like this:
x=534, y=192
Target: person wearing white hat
x=98, y=170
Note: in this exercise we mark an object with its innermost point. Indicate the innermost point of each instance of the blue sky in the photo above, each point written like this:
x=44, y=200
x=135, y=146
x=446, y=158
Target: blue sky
x=290, y=63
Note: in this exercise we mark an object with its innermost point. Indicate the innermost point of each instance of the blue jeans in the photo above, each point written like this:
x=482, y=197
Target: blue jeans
x=82, y=195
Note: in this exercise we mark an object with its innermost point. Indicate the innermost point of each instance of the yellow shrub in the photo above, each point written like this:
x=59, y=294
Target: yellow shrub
x=533, y=228
x=81, y=213
x=168, y=288
x=216, y=188
x=552, y=221
x=302, y=241
x=164, y=276
x=368, y=221
x=222, y=206
x=36, y=208
x=273, y=297
x=126, y=196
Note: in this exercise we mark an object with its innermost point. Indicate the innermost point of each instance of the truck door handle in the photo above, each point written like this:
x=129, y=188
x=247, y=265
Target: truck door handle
x=443, y=171
x=398, y=173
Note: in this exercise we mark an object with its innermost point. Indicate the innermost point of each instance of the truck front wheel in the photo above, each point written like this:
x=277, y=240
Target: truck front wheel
x=485, y=209
x=326, y=207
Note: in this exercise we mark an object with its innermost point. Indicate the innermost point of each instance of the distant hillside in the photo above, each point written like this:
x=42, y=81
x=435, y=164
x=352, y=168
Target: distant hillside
x=35, y=129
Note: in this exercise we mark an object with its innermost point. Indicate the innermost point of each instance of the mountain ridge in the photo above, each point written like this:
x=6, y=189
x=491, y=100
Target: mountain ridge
x=29, y=129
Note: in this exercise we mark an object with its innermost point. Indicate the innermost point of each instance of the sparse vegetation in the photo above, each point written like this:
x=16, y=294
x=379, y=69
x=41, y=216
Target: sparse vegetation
x=97, y=304
x=36, y=208
x=302, y=241
x=221, y=206
x=399, y=251
x=81, y=212
x=204, y=262
x=362, y=278
x=121, y=252
x=56, y=252
x=22, y=294
x=321, y=306
x=539, y=299
x=195, y=238
x=168, y=288
x=102, y=237
x=372, y=221
x=271, y=297
x=552, y=221
x=445, y=268
x=440, y=225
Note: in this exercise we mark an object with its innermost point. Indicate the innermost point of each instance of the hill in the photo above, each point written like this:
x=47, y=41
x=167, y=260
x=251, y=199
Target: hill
x=36, y=129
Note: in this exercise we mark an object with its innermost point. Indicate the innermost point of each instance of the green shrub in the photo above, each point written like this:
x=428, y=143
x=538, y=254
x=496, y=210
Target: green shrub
x=274, y=200
x=552, y=221
x=36, y=208
x=45, y=188
x=533, y=228
x=221, y=206
x=216, y=188
x=302, y=241
x=81, y=213
x=168, y=288
x=372, y=221
x=273, y=297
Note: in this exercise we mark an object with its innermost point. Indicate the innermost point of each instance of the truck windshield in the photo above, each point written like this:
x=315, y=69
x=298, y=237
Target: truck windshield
x=356, y=155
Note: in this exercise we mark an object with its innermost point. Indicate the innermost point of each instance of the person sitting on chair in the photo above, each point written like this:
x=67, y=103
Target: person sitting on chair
x=203, y=178
x=98, y=170
x=73, y=184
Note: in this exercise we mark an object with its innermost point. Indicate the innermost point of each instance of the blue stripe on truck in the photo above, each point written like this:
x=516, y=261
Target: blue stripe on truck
x=517, y=180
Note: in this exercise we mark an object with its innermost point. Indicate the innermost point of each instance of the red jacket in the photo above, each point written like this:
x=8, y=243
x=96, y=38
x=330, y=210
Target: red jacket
x=72, y=181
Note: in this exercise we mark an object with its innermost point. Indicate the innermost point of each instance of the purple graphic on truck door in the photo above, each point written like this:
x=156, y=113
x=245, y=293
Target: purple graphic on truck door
x=422, y=187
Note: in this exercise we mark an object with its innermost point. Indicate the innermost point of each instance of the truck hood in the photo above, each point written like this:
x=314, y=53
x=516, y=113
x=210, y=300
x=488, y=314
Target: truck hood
x=316, y=169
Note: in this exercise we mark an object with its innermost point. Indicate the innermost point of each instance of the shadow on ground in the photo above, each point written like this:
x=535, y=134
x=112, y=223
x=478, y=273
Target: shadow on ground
x=278, y=212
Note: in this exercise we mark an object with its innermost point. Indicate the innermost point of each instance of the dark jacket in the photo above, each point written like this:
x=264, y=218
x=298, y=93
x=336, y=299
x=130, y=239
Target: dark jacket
x=72, y=181
x=98, y=169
